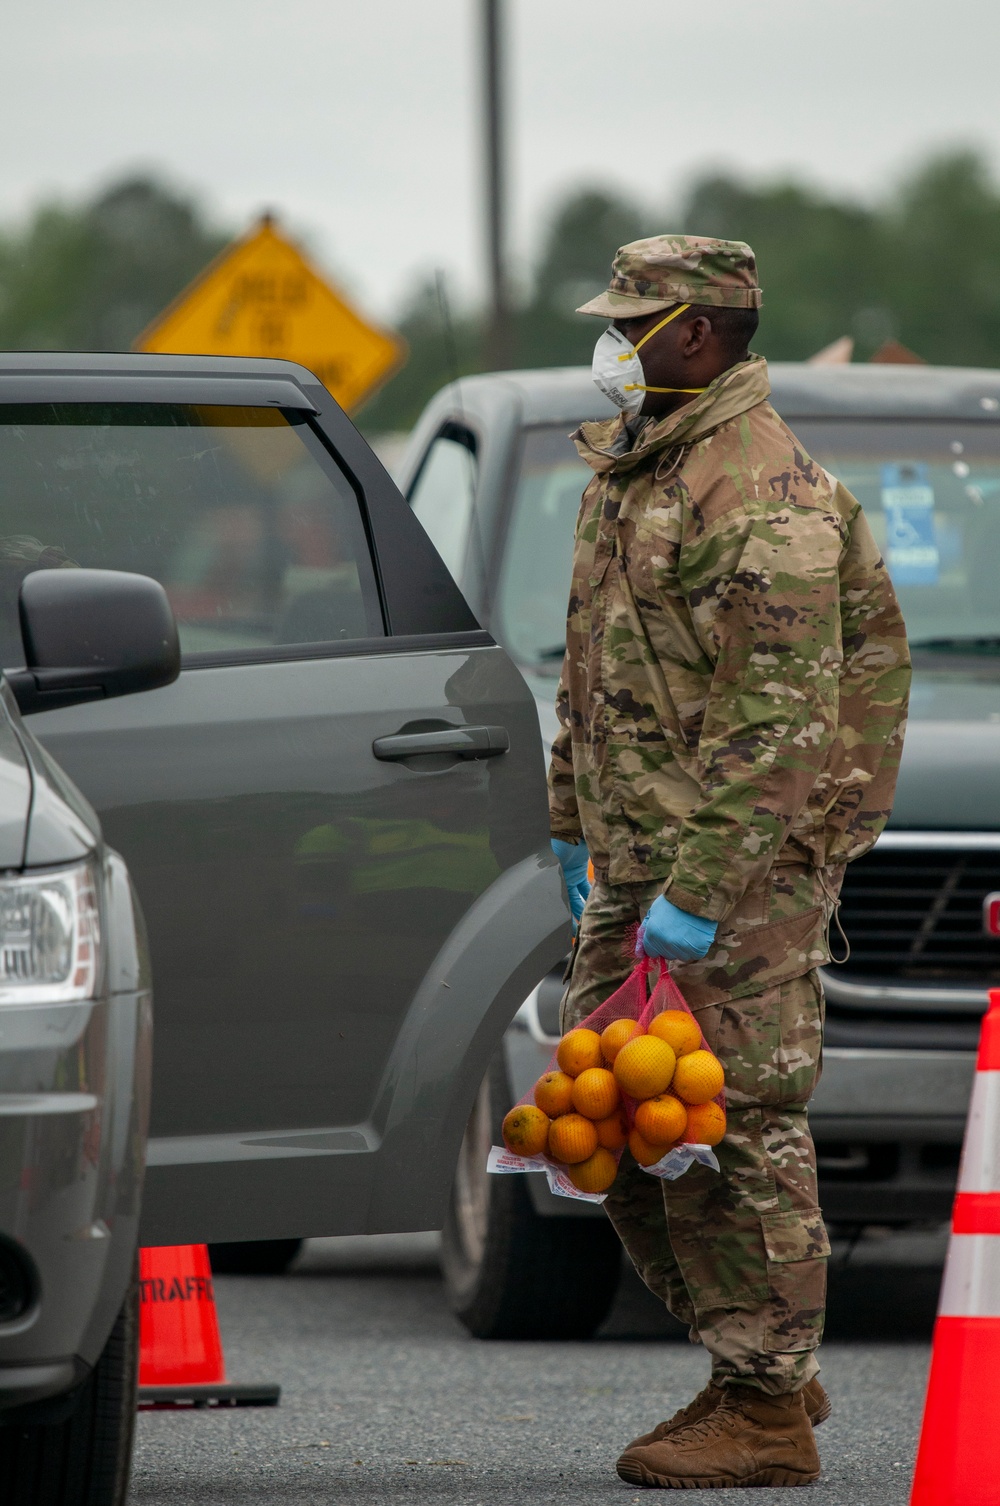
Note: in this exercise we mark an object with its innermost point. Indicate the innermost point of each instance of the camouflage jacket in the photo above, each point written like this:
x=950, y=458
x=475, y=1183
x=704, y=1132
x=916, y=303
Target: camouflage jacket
x=733, y=695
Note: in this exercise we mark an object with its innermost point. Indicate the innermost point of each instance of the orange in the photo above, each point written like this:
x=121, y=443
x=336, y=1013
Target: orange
x=706, y=1124
x=661, y=1120
x=579, y=1050
x=554, y=1093
x=596, y=1173
x=644, y=1067
x=572, y=1138
x=595, y=1093
x=614, y=1037
x=645, y=1154
x=526, y=1130
x=612, y=1132
x=699, y=1077
x=679, y=1029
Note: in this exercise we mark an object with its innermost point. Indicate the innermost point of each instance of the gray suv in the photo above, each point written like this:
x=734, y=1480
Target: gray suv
x=335, y=819
x=75, y=1042
x=492, y=475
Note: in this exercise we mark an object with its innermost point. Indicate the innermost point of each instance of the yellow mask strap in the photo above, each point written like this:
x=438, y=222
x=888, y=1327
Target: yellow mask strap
x=637, y=386
x=657, y=327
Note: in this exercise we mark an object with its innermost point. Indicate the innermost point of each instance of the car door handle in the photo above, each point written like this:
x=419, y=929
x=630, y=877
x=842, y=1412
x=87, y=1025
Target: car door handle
x=467, y=742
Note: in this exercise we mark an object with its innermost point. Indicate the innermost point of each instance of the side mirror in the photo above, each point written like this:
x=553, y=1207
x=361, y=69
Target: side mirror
x=89, y=634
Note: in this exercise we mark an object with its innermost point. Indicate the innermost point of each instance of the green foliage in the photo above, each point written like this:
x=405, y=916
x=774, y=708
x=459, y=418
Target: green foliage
x=581, y=239
x=92, y=278
x=943, y=281
x=921, y=266
x=584, y=233
x=819, y=260
x=443, y=344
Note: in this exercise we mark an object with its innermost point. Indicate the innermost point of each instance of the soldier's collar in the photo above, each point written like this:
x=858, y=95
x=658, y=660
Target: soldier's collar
x=605, y=445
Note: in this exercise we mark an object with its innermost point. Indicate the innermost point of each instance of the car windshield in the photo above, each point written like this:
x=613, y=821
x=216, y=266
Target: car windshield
x=931, y=493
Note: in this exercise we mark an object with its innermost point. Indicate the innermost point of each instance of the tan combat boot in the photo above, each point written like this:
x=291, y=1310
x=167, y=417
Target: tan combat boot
x=749, y=1439
x=817, y=1405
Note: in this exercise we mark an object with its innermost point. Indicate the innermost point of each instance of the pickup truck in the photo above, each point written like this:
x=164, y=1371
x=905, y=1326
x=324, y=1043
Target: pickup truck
x=491, y=473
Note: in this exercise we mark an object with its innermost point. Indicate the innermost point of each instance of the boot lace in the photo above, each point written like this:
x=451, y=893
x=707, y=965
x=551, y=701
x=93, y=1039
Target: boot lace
x=715, y=1424
x=695, y=1406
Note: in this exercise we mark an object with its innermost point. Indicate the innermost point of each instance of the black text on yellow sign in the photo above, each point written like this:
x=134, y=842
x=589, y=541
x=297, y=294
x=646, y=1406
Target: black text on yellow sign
x=261, y=297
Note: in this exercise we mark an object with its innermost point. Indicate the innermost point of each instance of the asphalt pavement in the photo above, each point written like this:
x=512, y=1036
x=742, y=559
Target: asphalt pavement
x=386, y=1399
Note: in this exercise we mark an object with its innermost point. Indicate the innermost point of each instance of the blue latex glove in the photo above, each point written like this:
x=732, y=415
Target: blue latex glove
x=573, y=858
x=673, y=933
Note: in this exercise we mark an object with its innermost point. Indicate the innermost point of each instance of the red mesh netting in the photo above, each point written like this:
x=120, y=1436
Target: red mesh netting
x=647, y=992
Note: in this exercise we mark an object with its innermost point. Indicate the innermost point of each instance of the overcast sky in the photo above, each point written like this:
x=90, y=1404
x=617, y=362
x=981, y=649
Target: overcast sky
x=359, y=122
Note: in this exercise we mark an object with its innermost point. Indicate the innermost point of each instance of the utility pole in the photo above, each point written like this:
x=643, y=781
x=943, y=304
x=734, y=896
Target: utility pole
x=499, y=348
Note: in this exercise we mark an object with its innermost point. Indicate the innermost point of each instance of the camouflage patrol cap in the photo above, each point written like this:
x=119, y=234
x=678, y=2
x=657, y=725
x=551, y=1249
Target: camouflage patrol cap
x=662, y=270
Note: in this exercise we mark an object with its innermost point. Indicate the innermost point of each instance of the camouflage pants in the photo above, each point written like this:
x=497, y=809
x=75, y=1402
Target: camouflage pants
x=739, y=1257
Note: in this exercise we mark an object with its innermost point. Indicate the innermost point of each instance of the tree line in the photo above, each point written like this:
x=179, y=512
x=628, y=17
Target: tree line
x=920, y=265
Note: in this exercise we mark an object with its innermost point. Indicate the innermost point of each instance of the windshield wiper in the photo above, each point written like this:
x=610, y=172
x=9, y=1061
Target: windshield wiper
x=971, y=643
x=555, y=652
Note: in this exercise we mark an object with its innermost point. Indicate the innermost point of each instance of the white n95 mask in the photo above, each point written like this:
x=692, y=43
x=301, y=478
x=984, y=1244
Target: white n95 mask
x=617, y=367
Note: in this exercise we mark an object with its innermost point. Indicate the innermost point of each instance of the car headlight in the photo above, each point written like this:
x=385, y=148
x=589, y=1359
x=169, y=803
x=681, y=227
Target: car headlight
x=50, y=936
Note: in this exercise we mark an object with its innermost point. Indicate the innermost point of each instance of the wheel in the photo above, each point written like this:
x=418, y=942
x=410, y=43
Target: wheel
x=509, y=1272
x=76, y=1450
x=254, y=1257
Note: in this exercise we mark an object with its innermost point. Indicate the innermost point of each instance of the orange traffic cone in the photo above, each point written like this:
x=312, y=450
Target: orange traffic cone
x=958, y=1462
x=180, y=1351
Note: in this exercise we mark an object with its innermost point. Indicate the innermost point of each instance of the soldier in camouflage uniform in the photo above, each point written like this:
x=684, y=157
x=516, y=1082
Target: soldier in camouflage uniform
x=732, y=707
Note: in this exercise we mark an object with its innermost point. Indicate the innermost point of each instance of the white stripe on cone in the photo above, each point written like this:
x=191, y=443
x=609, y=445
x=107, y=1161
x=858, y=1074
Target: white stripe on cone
x=971, y=1287
x=980, y=1169
x=958, y=1461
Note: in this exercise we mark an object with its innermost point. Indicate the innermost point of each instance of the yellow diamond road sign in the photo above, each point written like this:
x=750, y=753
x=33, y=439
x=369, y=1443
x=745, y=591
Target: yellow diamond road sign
x=260, y=297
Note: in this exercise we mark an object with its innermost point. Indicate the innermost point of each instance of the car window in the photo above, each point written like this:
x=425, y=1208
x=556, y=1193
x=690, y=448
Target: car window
x=931, y=492
x=443, y=495
x=240, y=512
x=534, y=582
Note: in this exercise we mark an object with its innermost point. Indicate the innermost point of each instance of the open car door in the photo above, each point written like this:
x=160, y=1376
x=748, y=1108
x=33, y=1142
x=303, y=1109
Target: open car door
x=335, y=818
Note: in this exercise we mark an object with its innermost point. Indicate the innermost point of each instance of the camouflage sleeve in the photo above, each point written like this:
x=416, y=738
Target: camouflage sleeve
x=766, y=606
x=858, y=785
x=564, y=816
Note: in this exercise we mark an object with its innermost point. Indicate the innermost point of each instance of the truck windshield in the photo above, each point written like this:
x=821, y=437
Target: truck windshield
x=930, y=490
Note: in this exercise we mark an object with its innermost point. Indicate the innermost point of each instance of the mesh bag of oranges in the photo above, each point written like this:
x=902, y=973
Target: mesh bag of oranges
x=638, y=1073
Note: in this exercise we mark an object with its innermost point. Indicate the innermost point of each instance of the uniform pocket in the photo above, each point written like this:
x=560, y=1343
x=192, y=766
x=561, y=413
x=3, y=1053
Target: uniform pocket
x=796, y=1247
x=754, y=908
x=794, y=1236
x=769, y=1043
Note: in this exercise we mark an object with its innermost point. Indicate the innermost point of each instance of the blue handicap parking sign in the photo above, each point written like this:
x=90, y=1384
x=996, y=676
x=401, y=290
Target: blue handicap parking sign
x=912, y=553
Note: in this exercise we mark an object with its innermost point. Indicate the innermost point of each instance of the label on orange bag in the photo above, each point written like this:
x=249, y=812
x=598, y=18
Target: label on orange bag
x=504, y=1162
x=560, y=1184
x=676, y=1162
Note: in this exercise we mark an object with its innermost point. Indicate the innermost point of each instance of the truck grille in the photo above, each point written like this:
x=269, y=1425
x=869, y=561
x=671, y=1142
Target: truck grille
x=917, y=914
